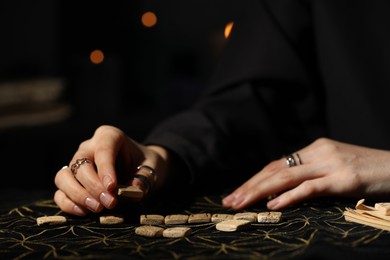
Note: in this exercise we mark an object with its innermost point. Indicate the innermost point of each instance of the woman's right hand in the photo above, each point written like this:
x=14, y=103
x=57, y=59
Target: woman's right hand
x=111, y=155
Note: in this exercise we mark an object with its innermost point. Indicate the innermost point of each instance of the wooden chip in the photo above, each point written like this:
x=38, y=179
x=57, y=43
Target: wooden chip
x=250, y=216
x=176, y=232
x=149, y=231
x=216, y=218
x=353, y=216
x=361, y=206
x=233, y=225
x=130, y=192
x=51, y=220
x=269, y=217
x=383, y=208
x=370, y=216
x=199, y=218
x=111, y=220
x=176, y=219
x=151, y=219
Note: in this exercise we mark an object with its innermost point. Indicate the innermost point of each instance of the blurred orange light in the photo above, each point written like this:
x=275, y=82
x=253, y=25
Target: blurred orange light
x=96, y=56
x=228, y=29
x=149, y=19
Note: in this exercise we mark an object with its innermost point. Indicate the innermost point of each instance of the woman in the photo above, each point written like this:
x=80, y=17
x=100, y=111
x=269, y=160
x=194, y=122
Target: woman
x=306, y=79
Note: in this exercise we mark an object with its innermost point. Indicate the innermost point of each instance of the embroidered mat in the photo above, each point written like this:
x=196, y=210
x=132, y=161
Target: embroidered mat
x=312, y=229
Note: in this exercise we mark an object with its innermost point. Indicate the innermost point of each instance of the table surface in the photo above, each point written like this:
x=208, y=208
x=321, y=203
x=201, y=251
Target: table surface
x=312, y=229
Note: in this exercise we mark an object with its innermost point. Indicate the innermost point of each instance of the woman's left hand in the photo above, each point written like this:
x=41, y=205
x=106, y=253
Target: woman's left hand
x=327, y=168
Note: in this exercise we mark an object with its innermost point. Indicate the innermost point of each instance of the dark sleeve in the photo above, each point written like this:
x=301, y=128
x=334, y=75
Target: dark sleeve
x=262, y=102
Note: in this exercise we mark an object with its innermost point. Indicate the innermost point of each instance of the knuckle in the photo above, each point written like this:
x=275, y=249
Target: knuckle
x=272, y=166
x=102, y=129
x=322, y=141
x=101, y=133
x=328, y=146
x=83, y=145
x=60, y=201
x=107, y=129
x=57, y=197
x=58, y=178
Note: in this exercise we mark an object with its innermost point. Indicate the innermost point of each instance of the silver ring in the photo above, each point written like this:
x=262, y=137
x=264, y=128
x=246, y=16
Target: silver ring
x=150, y=169
x=299, y=161
x=145, y=180
x=77, y=165
x=290, y=160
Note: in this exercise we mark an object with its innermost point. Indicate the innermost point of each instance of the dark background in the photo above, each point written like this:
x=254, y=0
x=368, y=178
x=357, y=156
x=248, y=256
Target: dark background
x=147, y=75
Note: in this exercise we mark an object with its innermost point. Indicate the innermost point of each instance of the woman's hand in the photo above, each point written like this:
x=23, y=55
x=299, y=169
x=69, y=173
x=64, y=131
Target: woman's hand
x=328, y=168
x=111, y=155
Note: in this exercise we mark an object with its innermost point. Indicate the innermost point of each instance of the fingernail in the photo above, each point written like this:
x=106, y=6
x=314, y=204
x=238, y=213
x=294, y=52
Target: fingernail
x=78, y=210
x=238, y=201
x=106, y=199
x=273, y=203
x=92, y=204
x=227, y=201
x=107, y=182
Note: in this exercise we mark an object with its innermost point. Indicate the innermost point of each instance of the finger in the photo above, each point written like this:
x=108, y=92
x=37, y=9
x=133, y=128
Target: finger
x=238, y=196
x=268, y=171
x=279, y=182
x=106, y=152
x=85, y=173
x=67, y=205
x=65, y=182
x=306, y=190
x=271, y=169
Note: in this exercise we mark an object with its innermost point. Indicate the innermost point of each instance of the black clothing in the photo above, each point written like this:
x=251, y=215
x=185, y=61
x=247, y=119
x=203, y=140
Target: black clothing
x=293, y=71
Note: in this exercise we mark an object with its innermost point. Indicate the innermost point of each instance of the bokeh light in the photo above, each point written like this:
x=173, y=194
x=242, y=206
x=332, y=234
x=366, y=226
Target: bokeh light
x=149, y=19
x=96, y=56
x=228, y=29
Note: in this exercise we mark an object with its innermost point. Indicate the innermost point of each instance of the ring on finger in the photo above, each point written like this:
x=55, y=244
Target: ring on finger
x=149, y=169
x=292, y=160
x=74, y=167
x=298, y=160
